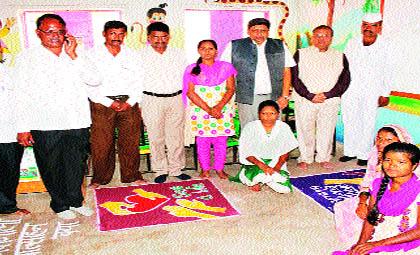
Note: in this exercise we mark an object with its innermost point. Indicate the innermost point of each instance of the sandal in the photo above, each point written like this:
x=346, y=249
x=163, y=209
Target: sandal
x=205, y=174
x=222, y=175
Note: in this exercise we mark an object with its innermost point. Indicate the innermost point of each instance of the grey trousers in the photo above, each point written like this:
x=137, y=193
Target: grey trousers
x=249, y=112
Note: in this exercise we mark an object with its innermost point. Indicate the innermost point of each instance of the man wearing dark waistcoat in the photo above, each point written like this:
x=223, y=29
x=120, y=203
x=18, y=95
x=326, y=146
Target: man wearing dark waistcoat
x=263, y=66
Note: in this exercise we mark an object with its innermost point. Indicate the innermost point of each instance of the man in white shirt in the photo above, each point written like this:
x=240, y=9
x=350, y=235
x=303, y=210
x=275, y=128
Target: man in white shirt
x=10, y=151
x=114, y=104
x=320, y=77
x=368, y=89
x=53, y=112
x=162, y=107
x=263, y=66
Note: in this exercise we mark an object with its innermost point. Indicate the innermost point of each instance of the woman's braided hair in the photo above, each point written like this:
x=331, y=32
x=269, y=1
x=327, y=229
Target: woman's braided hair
x=374, y=214
x=197, y=69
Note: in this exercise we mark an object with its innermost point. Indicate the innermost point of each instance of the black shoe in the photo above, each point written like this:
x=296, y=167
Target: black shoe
x=161, y=178
x=183, y=177
x=346, y=158
x=361, y=162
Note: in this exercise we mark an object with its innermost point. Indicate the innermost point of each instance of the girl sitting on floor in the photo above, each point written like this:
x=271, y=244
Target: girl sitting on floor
x=264, y=146
x=393, y=222
x=350, y=213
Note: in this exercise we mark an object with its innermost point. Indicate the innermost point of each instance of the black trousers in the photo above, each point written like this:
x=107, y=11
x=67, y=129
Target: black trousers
x=61, y=158
x=10, y=157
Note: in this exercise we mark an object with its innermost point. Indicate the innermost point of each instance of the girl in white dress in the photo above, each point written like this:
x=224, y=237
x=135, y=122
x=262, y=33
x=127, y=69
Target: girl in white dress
x=264, y=146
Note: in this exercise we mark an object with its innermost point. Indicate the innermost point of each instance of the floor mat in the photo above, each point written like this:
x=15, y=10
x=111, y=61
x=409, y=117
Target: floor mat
x=156, y=204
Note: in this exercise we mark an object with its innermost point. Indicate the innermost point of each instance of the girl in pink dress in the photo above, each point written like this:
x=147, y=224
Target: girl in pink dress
x=209, y=85
x=349, y=214
x=393, y=222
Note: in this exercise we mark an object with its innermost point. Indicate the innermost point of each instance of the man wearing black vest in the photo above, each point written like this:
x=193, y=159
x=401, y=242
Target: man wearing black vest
x=263, y=66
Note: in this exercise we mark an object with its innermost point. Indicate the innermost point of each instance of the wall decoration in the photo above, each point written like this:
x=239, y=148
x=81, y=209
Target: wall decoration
x=156, y=14
x=282, y=5
x=9, y=41
x=4, y=31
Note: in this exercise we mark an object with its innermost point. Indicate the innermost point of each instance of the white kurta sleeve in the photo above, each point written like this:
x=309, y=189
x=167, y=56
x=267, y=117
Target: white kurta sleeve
x=136, y=85
x=87, y=70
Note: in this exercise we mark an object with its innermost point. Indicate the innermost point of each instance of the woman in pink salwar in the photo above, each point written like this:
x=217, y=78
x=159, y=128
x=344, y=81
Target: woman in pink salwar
x=209, y=85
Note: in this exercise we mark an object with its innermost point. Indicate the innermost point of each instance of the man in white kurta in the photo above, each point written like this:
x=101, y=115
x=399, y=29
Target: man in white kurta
x=367, y=90
x=263, y=69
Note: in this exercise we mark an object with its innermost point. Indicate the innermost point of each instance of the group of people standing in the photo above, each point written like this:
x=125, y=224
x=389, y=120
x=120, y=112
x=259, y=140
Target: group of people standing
x=69, y=102
x=48, y=107
x=59, y=93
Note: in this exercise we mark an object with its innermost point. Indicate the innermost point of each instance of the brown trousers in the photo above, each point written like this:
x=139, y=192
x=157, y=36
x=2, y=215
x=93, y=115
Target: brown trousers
x=104, y=122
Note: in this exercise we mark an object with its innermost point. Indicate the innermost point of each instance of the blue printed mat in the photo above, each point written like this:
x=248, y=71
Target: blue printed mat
x=343, y=185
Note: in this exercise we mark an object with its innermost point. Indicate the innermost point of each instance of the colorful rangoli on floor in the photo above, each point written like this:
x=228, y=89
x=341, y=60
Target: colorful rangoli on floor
x=157, y=204
x=328, y=189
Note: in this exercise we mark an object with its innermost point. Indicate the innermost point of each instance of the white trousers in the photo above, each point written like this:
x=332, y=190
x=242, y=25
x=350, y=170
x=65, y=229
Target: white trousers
x=359, y=118
x=315, y=126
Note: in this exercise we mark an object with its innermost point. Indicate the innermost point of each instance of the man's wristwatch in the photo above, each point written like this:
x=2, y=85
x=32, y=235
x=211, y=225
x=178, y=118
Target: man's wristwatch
x=286, y=97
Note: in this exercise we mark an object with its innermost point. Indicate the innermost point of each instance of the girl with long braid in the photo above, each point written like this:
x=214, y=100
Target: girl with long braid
x=393, y=222
x=209, y=85
x=350, y=213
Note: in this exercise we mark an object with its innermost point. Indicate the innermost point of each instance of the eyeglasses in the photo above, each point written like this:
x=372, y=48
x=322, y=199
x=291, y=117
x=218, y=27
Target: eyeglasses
x=51, y=32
